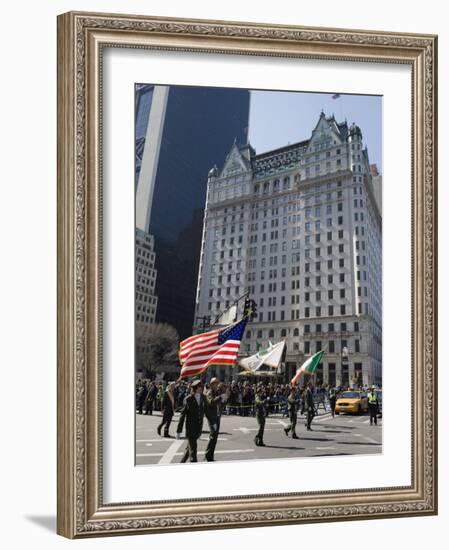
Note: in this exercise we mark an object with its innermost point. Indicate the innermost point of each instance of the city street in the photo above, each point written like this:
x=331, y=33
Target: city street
x=342, y=435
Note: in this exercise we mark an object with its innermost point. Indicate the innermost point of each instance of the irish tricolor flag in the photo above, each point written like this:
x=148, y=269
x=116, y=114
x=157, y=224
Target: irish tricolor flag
x=309, y=367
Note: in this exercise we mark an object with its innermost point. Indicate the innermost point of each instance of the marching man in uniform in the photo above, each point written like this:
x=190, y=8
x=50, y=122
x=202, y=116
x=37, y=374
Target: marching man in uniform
x=260, y=404
x=309, y=406
x=215, y=398
x=292, y=412
x=193, y=415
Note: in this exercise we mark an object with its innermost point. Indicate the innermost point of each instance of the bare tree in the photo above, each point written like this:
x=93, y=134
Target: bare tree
x=156, y=344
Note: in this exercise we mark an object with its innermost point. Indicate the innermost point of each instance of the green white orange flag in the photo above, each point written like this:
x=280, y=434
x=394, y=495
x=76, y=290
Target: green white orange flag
x=308, y=367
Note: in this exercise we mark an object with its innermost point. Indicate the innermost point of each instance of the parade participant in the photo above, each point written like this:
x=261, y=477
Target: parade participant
x=292, y=412
x=216, y=396
x=308, y=404
x=193, y=413
x=373, y=404
x=260, y=405
x=141, y=395
x=332, y=400
x=149, y=402
x=168, y=409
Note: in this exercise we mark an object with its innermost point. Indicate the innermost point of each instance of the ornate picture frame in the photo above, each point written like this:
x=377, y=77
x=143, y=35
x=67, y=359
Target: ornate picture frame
x=82, y=38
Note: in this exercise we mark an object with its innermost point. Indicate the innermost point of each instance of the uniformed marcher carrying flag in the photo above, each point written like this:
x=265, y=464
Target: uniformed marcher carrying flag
x=292, y=413
x=215, y=398
x=261, y=413
x=193, y=415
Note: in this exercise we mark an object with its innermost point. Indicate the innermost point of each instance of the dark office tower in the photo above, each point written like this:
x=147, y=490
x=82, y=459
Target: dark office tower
x=191, y=129
x=144, y=96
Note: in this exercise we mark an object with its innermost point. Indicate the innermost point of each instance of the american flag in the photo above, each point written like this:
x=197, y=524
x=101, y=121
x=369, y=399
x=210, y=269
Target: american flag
x=216, y=347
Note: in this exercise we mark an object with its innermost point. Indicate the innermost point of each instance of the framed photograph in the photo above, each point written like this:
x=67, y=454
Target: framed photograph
x=246, y=274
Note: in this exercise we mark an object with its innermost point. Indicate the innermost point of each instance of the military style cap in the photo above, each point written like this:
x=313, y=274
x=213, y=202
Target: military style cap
x=213, y=380
x=196, y=383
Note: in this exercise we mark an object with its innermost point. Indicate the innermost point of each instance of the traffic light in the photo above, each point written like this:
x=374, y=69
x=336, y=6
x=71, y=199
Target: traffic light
x=253, y=309
x=250, y=309
x=247, y=307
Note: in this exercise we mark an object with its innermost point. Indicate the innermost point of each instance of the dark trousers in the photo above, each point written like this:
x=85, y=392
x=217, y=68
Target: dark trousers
x=149, y=406
x=166, y=421
x=259, y=436
x=372, y=407
x=191, y=450
x=292, y=425
x=213, y=436
x=310, y=416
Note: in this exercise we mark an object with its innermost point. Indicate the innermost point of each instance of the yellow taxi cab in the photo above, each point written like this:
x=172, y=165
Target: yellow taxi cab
x=351, y=401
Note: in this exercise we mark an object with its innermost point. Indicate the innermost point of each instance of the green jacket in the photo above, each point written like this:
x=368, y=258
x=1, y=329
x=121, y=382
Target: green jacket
x=260, y=407
x=292, y=404
x=213, y=405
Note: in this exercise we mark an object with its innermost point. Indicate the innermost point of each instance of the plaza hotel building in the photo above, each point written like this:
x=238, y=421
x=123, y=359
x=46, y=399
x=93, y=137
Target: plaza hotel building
x=299, y=227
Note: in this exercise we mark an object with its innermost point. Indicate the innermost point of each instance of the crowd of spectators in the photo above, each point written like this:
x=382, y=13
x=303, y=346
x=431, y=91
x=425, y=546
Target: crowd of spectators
x=150, y=393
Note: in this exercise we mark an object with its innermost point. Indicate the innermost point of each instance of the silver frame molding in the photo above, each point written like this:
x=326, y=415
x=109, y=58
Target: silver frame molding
x=81, y=38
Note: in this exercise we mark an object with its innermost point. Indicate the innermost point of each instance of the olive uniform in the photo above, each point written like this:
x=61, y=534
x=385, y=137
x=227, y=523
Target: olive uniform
x=260, y=404
x=293, y=414
x=168, y=410
x=309, y=406
x=213, y=410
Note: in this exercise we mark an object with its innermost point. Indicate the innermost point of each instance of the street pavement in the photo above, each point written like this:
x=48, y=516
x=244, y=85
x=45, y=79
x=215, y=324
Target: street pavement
x=342, y=435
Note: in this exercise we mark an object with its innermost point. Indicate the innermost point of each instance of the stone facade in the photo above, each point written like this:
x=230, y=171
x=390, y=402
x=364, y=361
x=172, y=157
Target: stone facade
x=300, y=229
x=146, y=301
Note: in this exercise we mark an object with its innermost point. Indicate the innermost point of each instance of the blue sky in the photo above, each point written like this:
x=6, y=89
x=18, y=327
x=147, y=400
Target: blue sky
x=279, y=118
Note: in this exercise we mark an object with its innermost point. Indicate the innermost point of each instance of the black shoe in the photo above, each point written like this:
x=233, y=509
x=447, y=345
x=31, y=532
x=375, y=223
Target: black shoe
x=262, y=444
x=294, y=436
x=286, y=430
x=309, y=430
x=159, y=430
x=167, y=435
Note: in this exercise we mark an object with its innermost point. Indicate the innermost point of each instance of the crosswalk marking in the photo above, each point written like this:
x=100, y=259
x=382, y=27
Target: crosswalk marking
x=170, y=453
x=169, y=440
x=199, y=453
